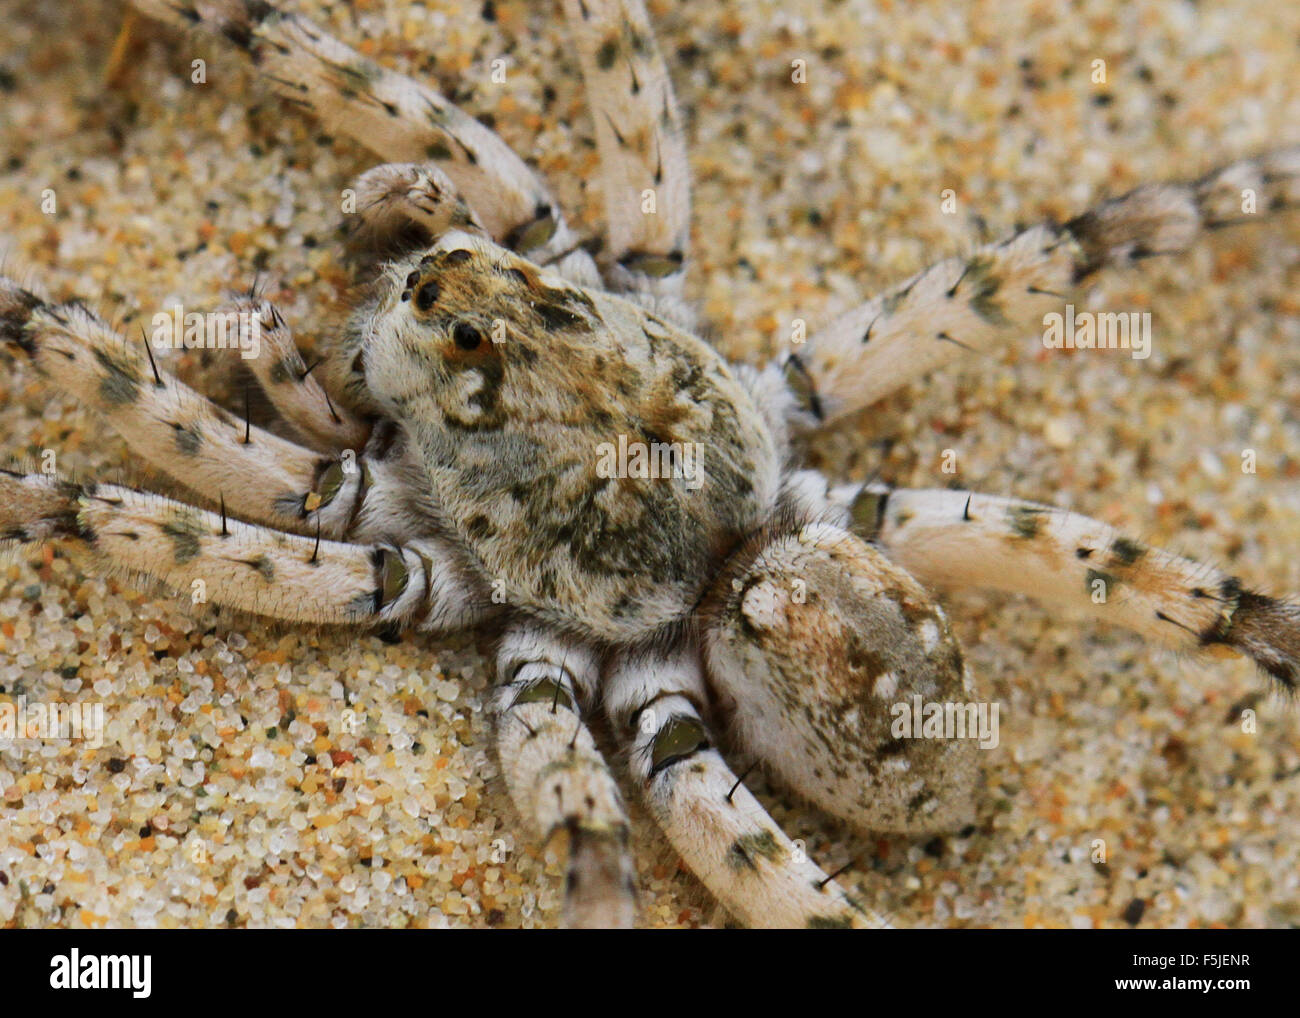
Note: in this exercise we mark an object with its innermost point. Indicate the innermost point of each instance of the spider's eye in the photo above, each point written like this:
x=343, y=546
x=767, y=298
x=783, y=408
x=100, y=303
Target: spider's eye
x=426, y=295
x=466, y=336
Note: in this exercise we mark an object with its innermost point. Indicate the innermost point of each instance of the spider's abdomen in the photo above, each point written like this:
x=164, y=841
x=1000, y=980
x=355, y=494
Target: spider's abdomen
x=840, y=673
x=596, y=461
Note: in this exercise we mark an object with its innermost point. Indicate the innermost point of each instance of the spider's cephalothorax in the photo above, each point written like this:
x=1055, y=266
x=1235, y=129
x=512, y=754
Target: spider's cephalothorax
x=524, y=437
x=518, y=388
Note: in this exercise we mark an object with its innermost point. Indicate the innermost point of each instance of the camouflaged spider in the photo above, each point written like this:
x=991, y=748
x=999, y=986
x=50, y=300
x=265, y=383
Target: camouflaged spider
x=490, y=370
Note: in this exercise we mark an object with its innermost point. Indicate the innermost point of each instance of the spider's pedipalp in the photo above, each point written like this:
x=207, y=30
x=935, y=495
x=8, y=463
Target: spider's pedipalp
x=958, y=539
x=396, y=117
x=1002, y=291
x=555, y=774
x=714, y=822
x=817, y=645
x=402, y=207
x=252, y=568
x=644, y=170
x=290, y=384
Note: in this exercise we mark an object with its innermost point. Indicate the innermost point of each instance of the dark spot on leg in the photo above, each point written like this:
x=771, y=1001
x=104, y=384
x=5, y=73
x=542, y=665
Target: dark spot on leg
x=749, y=847
x=607, y=54
x=119, y=385
x=1025, y=520
x=189, y=440
x=184, y=534
x=1124, y=552
x=680, y=737
x=818, y=922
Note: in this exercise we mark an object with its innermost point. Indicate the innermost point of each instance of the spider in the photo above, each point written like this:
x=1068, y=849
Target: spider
x=708, y=591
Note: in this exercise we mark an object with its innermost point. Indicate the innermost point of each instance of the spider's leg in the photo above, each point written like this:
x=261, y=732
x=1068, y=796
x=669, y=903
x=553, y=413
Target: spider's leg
x=713, y=821
x=396, y=117
x=959, y=539
x=644, y=170
x=555, y=773
x=252, y=568
x=289, y=383
x=257, y=474
x=1004, y=290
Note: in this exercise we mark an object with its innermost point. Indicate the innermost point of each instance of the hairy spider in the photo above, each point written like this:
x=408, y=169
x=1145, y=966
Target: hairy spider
x=526, y=437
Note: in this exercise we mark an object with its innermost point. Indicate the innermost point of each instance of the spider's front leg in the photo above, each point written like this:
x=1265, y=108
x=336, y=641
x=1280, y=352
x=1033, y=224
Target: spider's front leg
x=714, y=822
x=256, y=474
x=399, y=119
x=403, y=207
x=1004, y=290
x=555, y=773
x=259, y=475
x=289, y=383
x=644, y=171
x=424, y=584
x=958, y=539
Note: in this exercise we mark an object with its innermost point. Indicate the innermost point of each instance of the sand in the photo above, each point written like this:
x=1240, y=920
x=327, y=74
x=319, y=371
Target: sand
x=233, y=788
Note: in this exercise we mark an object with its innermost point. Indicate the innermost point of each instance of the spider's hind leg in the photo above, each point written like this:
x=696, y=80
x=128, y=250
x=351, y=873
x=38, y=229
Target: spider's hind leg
x=713, y=821
x=959, y=539
x=555, y=773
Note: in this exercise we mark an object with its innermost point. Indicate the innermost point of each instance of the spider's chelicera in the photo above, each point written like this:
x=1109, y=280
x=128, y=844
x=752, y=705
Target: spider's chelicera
x=524, y=438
